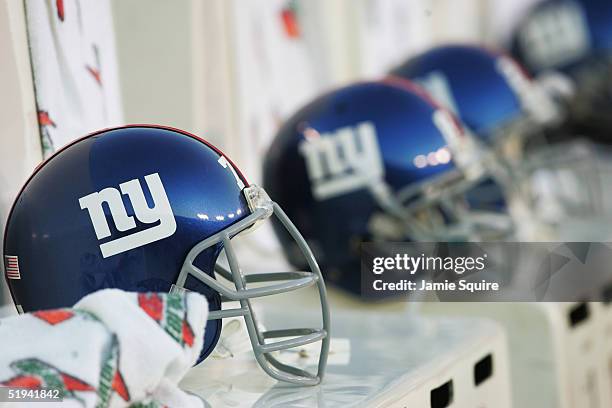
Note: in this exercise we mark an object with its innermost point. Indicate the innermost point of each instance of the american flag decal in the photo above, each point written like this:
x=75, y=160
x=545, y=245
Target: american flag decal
x=11, y=264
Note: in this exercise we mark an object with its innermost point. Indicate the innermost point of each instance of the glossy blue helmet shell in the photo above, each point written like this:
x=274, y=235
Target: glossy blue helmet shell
x=60, y=257
x=471, y=81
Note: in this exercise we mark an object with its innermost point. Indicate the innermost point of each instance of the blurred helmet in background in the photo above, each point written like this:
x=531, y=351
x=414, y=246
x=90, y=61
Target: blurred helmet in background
x=499, y=105
x=374, y=161
x=573, y=37
x=568, y=175
x=567, y=188
x=487, y=90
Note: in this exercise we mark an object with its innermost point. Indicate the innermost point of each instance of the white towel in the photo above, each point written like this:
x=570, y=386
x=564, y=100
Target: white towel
x=113, y=349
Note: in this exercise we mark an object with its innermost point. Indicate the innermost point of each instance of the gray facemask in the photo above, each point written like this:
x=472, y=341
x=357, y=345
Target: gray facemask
x=261, y=209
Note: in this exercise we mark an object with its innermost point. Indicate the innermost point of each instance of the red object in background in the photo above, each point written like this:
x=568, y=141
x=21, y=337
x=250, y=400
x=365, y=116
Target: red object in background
x=44, y=119
x=60, y=9
x=95, y=73
x=94, y=69
x=290, y=22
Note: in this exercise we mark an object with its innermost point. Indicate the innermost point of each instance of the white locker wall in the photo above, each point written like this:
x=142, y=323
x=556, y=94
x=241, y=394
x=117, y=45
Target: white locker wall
x=228, y=71
x=155, y=60
x=250, y=75
x=255, y=74
x=20, y=149
x=500, y=18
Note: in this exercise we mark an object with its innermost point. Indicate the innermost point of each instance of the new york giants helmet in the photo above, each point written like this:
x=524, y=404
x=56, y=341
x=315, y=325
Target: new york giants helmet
x=146, y=208
x=486, y=89
x=507, y=111
x=499, y=105
x=573, y=37
x=373, y=161
x=564, y=34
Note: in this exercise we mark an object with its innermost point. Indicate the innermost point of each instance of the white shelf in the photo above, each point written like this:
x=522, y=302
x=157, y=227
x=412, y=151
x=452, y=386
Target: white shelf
x=394, y=361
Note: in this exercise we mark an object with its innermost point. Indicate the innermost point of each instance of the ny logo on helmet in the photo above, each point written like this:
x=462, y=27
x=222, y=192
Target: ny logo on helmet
x=160, y=212
x=556, y=36
x=343, y=161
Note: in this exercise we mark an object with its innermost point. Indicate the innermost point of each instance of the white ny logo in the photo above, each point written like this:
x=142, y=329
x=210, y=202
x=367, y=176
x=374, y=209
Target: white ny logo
x=437, y=85
x=556, y=36
x=160, y=212
x=343, y=161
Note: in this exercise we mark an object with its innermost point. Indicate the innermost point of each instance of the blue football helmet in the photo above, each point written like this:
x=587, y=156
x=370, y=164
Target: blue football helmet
x=487, y=90
x=564, y=35
x=149, y=209
x=373, y=161
x=498, y=103
x=573, y=37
